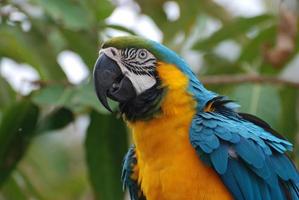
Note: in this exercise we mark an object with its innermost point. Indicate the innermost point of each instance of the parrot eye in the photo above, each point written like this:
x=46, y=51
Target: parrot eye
x=142, y=54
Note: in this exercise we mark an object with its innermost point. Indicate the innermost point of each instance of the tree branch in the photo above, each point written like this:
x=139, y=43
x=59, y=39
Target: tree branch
x=236, y=79
x=44, y=83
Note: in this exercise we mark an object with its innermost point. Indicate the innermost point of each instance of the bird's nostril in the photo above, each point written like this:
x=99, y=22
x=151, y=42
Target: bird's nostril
x=115, y=86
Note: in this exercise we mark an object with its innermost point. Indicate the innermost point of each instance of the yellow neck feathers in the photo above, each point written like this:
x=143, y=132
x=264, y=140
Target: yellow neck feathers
x=177, y=113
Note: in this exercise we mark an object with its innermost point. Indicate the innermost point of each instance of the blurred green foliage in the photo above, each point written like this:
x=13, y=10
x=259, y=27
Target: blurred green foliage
x=41, y=157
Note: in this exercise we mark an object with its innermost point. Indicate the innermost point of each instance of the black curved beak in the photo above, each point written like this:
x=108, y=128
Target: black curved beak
x=110, y=82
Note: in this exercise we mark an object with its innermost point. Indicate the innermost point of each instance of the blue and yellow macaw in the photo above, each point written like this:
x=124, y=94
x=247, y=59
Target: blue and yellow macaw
x=189, y=143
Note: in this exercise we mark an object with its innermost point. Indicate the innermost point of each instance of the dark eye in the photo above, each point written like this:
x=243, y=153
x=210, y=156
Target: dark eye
x=142, y=54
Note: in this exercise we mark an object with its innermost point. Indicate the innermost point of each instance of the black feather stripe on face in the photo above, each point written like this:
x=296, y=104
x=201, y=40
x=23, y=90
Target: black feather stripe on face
x=139, y=65
x=137, y=69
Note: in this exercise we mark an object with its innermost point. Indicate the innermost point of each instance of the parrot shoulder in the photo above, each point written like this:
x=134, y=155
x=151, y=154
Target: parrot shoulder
x=130, y=175
x=245, y=151
x=222, y=105
x=261, y=123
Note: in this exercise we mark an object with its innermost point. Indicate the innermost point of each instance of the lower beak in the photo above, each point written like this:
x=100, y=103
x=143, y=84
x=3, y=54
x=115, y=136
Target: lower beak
x=110, y=82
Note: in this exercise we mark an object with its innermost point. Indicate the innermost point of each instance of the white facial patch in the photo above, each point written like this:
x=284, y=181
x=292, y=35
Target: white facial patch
x=136, y=64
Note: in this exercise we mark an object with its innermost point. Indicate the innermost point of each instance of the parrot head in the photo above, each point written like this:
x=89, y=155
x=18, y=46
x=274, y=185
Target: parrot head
x=126, y=72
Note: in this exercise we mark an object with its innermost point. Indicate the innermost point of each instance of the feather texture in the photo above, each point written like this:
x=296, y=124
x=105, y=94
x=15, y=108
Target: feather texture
x=258, y=167
x=130, y=182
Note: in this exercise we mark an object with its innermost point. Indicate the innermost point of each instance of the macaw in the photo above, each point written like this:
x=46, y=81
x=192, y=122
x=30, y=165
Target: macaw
x=188, y=142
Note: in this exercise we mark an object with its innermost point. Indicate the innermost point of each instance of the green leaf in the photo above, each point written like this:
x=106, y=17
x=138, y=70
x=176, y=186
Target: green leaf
x=57, y=40
x=70, y=13
x=53, y=95
x=19, y=187
x=55, y=120
x=233, y=30
x=214, y=10
x=16, y=130
x=101, y=9
x=77, y=98
x=288, y=123
x=260, y=100
x=7, y=95
x=12, y=190
x=253, y=48
x=106, y=144
x=32, y=48
x=84, y=43
x=85, y=97
x=215, y=64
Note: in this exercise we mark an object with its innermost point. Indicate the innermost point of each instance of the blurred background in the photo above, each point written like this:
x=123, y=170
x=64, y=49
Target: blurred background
x=58, y=142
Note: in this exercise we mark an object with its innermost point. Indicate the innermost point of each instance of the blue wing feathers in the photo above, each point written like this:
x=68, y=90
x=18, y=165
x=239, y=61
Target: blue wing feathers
x=284, y=168
x=294, y=190
x=226, y=135
x=249, y=159
x=265, y=192
x=243, y=179
x=248, y=152
x=132, y=185
x=229, y=179
x=210, y=123
x=219, y=158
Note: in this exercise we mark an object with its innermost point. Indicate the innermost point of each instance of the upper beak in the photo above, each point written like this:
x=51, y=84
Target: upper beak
x=110, y=82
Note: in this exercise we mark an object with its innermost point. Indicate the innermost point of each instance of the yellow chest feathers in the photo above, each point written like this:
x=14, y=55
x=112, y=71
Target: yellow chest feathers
x=168, y=166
